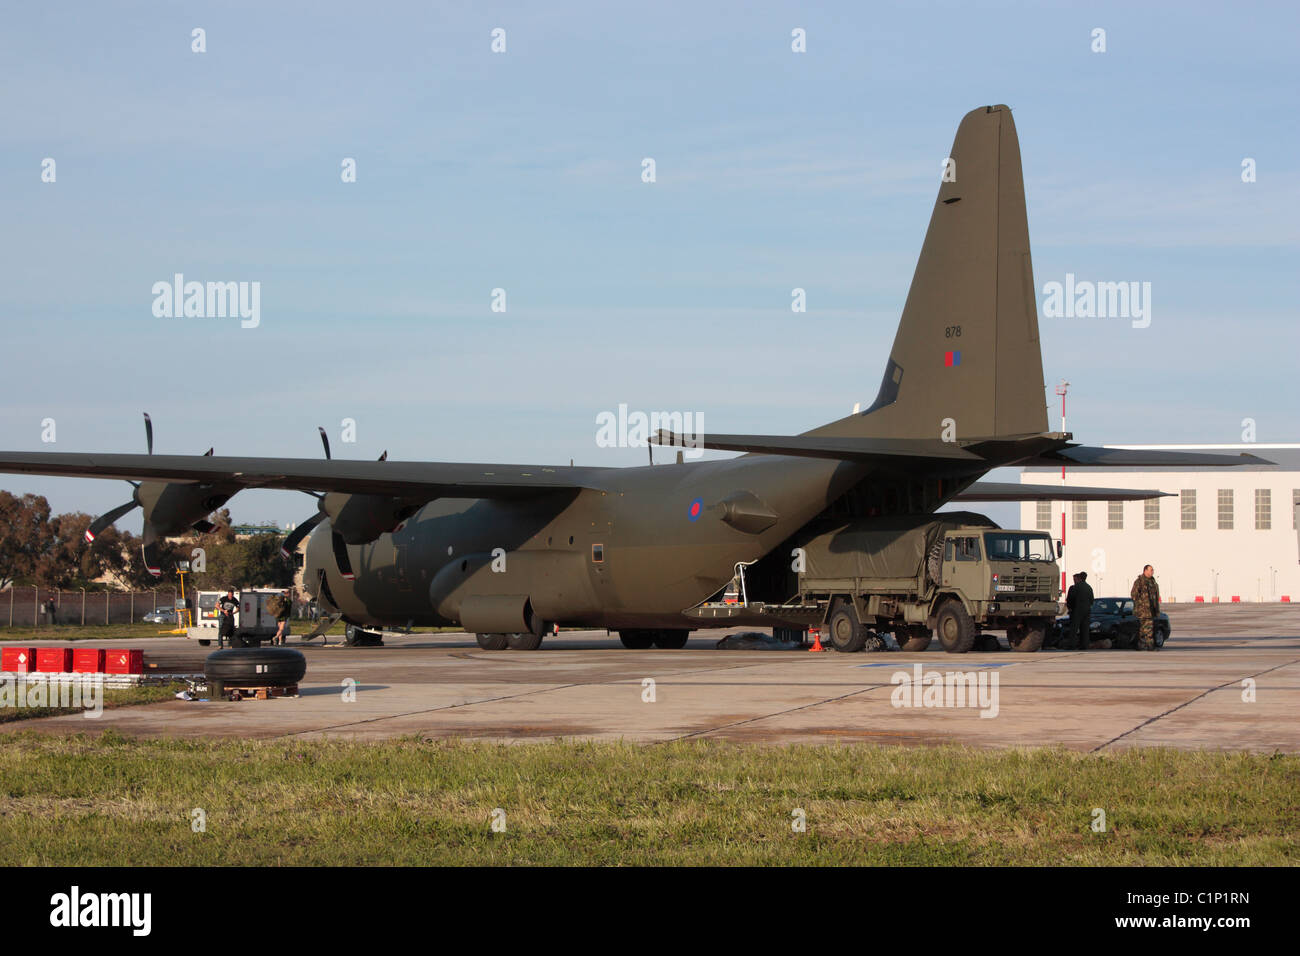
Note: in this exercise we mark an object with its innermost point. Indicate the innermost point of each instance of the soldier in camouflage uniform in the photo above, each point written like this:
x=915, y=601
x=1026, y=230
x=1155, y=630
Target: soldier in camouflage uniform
x=1146, y=605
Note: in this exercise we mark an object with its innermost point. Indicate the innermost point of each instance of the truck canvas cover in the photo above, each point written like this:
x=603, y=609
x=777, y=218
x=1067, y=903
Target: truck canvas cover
x=887, y=547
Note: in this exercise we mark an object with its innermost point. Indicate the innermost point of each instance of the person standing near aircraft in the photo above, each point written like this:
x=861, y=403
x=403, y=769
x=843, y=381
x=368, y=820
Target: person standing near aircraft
x=1146, y=605
x=226, y=608
x=282, y=618
x=1079, y=601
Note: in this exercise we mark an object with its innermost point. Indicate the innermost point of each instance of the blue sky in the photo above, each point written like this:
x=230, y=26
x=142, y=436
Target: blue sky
x=522, y=171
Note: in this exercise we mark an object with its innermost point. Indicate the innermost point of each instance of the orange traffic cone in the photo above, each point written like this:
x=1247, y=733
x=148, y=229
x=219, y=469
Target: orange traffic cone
x=817, y=640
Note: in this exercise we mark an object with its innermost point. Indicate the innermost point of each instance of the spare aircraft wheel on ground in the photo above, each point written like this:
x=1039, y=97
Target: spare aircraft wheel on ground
x=253, y=667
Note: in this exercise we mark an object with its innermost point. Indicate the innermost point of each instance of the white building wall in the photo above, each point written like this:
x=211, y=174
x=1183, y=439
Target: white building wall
x=1243, y=562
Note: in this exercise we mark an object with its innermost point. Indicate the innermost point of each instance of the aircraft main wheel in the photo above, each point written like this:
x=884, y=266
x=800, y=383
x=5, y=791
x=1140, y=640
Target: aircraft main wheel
x=914, y=638
x=1035, y=632
x=955, y=627
x=636, y=640
x=527, y=641
x=266, y=666
x=671, y=640
x=847, y=634
x=492, y=642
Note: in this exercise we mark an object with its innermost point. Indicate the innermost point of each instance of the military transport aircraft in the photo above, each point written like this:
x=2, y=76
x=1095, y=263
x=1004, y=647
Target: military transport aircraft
x=508, y=551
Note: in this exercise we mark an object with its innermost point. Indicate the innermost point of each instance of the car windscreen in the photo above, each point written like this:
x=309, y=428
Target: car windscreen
x=1018, y=546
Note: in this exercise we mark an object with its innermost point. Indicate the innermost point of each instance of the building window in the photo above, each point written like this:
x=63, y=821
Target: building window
x=1225, y=509
x=1151, y=514
x=1115, y=516
x=1044, y=516
x=1187, y=503
x=1080, y=522
x=1263, y=509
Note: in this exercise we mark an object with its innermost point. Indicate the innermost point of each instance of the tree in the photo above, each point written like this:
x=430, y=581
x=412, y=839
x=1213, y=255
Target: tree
x=253, y=561
x=25, y=536
x=70, y=562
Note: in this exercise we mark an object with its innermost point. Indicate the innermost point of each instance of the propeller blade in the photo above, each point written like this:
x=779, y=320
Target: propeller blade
x=297, y=534
x=148, y=432
x=384, y=456
x=324, y=440
x=106, y=519
x=149, y=550
x=341, y=557
x=208, y=453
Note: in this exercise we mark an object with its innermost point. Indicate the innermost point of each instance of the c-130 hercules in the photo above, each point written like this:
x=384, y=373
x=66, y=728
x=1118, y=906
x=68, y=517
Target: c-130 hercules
x=634, y=549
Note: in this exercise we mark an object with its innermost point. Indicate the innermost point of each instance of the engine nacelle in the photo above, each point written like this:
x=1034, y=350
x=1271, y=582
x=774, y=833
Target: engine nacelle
x=173, y=507
x=360, y=519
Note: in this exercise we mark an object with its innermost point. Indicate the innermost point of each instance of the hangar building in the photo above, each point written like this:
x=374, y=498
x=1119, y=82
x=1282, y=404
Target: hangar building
x=1229, y=534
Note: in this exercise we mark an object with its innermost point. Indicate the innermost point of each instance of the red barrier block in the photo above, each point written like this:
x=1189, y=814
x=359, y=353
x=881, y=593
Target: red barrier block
x=1286, y=598
x=18, y=660
x=123, y=662
x=1236, y=598
x=88, y=660
x=1200, y=599
x=54, y=660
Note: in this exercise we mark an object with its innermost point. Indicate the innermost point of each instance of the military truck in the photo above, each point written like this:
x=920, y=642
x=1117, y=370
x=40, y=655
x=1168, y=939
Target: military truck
x=956, y=574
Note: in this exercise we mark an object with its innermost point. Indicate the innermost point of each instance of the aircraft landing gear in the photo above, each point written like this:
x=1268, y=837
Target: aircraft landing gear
x=639, y=640
x=354, y=636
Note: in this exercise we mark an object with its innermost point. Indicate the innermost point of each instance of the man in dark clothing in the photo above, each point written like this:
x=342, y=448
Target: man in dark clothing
x=226, y=608
x=1079, y=601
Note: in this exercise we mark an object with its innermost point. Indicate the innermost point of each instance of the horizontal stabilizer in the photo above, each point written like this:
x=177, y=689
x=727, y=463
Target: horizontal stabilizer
x=1092, y=456
x=882, y=450
x=1014, y=491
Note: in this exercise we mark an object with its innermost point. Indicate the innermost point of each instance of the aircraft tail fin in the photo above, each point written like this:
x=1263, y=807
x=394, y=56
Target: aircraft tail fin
x=966, y=361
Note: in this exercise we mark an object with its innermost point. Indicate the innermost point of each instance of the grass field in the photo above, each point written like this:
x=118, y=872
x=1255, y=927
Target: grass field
x=113, y=800
x=113, y=697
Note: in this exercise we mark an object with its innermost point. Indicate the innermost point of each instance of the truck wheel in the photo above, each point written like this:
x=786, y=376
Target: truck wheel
x=528, y=641
x=671, y=640
x=492, y=642
x=914, y=638
x=987, y=643
x=1034, y=633
x=205, y=642
x=955, y=627
x=847, y=634
x=636, y=640
x=216, y=689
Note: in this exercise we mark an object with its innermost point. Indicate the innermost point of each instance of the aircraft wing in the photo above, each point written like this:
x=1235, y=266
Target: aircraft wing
x=1014, y=491
x=392, y=478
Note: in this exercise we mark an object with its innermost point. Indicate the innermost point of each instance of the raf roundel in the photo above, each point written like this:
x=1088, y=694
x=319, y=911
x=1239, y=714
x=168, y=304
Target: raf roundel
x=697, y=506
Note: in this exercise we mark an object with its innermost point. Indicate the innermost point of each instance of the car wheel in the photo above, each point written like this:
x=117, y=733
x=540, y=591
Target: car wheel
x=955, y=627
x=1160, y=635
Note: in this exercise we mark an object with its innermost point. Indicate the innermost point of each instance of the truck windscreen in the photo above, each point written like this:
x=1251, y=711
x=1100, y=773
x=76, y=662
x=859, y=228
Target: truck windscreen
x=1017, y=546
